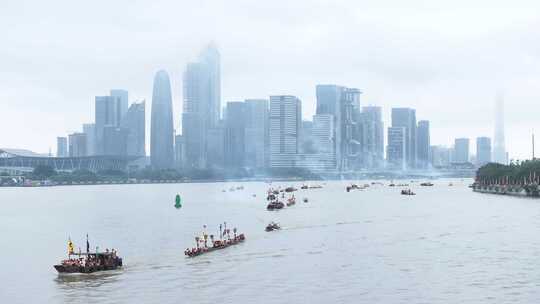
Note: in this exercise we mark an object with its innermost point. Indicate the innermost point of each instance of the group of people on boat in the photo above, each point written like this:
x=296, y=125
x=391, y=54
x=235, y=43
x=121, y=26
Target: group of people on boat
x=407, y=192
x=272, y=226
x=225, y=240
x=87, y=262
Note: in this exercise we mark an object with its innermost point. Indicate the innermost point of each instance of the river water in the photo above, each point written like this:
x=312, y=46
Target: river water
x=444, y=245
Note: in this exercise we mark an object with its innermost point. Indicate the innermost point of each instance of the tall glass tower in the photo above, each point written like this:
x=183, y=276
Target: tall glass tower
x=161, y=129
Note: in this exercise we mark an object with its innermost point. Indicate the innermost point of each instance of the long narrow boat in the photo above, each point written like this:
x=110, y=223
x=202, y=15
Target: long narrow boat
x=190, y=253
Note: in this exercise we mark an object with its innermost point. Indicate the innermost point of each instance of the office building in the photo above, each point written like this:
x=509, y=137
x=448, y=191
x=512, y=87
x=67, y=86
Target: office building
x=396, y=150
x=483, y=150
x=61, y=147
x=90, y=130
x=161, y=128
x=461, y=150
x=285, y=124
x=134, y=123
x=256, y=145
x=406, y=118
x=77, y=145
x=423, y=145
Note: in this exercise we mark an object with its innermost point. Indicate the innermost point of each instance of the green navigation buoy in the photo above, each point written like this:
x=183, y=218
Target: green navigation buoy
x=178, y=203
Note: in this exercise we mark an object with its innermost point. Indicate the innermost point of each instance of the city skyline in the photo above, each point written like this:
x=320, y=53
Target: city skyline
x=454, y=94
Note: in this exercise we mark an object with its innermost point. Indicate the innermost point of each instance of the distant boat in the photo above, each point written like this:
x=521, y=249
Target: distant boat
x=272, y=226
x=407, y=192
x=178, y=202
x=426, y=184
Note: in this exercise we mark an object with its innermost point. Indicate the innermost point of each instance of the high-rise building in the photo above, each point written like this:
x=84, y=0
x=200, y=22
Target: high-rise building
x=461, y=150
x=202, y=104
x=178, y=151
x=122, y=102
x=90, y=130
x=134, y=122
x=423, y=145
x=161, y=129
x=256, y=145
x=306, y=144
x=440, y=156
x=396, y=151
x=499, y=149
x=372, y=137
x=106, y=114
x=235, y=131
x=344, y=105
x=115, y=141
x=61, y=147
x=216, y=146
x=77, y=144
x=323, y=134
x=285, y=124
x=483, y=150
x=406, y=118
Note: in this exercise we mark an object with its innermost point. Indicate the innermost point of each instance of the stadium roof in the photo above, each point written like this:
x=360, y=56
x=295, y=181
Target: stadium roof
x=22, y=152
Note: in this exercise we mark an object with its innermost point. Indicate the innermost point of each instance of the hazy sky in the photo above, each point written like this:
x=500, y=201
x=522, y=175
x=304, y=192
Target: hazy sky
x=447, y=60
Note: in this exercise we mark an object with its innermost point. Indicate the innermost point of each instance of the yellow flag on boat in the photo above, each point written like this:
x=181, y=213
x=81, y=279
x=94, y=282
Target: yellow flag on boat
x=70, y=247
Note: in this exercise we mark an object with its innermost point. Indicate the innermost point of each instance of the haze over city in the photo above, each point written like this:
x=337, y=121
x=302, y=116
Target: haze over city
x=441, y=60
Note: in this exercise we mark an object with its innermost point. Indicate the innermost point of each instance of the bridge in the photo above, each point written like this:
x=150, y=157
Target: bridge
x=17, y=161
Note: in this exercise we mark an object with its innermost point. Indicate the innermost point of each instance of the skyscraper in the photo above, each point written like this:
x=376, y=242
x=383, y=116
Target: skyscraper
x=342, y=103
x=499, y=149
x=461, y=150
x=396, y=151
x=106, y=114
x=257, y=133
x=122, y=102
x=90, y=131
x=372, y=137
x=216, y=146
x=406, y=118
x=178, y=151
x=423, y=144
x=483, y=150
x=134, y=123
x=77, y=144
x=61, y=147
x=323, y=134
x=202, y=104
x=161, y=128
x=115, y=141
x=235, y=134
x=285, y=121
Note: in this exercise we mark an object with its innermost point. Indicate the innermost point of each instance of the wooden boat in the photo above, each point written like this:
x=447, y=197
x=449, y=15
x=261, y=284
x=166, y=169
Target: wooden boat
x=89, y=262
x=291, y=201
x=275, y=205
x=272, y=226
x=290, y=189
x=217, y=245
x=407, y=192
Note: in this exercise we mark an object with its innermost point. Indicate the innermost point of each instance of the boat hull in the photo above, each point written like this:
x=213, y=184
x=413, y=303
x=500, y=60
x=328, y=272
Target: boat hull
x=87, y=269
x=211, y=249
